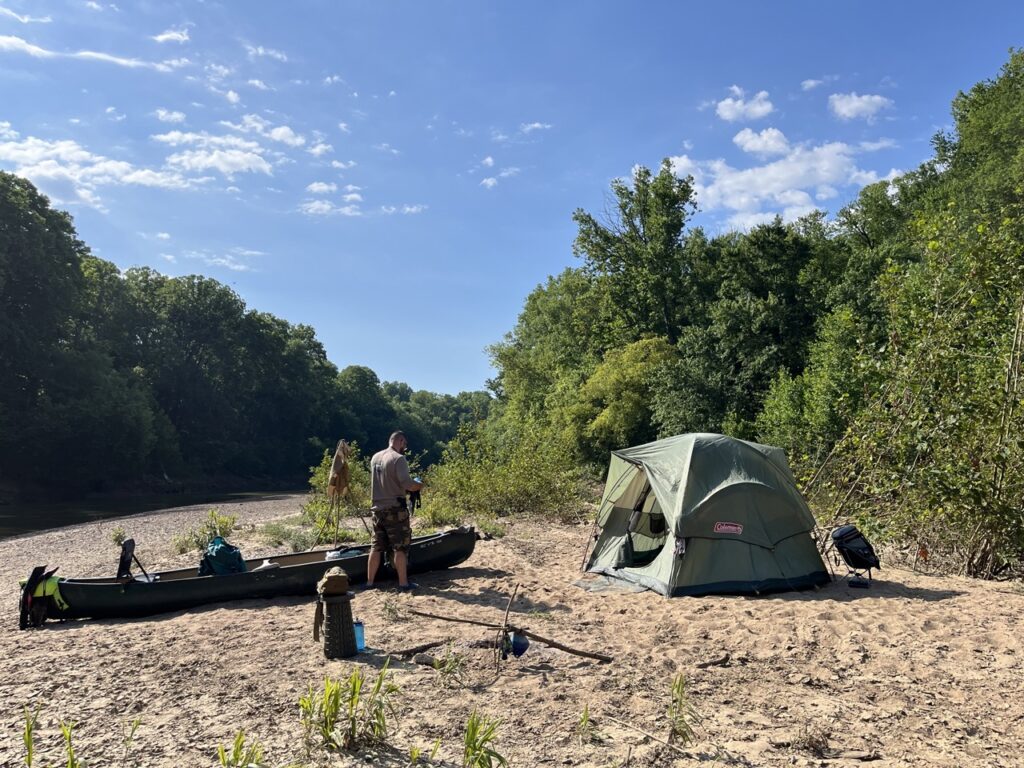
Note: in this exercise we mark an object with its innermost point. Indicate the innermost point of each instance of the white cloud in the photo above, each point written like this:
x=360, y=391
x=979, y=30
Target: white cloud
x=388, y=209
x=343, y=127
x=166, y=116
x=68, y=171
x=286, y=135
x=25, y=19
x=259, y=85
x=218, y=71
x=810, y=85
x=233, y=97
x=176, y=63
x=352, y=188
x=352, y=197
x=116, y=116
x=490, y=182
x=387, y=148
x=487, y=162
x=343, y=165
x=169, y=257
x=172, y=36
x=531, y=127
x=204, y=139
x=874, y=146
x=332, y=79
x=319, y=149
x=850, y=106
x=13, y=44
x=226, y=161
x=249, y=124
x=787, y=186
x=325, y=208
x=322, y=187
x=418, y=208
x=234, y=259
x=163, y=236
x=509, y=172
x=736, y=107
x=770, y=141
x=499, y=136
x=258, y=51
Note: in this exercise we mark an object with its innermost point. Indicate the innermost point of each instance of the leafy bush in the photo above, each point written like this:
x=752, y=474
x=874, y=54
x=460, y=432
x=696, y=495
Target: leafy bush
x=317, y=511
x=298, y=538
x=483, y=475
x=118, y=536
x=197, y=539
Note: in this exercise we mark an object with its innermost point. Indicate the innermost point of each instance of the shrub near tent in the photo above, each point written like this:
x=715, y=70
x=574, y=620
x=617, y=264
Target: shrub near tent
x=705, y=514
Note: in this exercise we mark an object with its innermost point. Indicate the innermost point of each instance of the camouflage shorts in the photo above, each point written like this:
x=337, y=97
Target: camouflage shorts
x=391, y=530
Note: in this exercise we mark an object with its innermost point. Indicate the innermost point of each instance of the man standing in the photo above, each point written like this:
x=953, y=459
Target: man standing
x=389, y=481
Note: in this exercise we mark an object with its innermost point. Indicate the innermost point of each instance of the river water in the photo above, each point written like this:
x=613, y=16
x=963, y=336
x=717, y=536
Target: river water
x=17, y=519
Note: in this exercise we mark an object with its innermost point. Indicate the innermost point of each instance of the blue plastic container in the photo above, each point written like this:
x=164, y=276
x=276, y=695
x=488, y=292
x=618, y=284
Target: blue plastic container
x=360, y=637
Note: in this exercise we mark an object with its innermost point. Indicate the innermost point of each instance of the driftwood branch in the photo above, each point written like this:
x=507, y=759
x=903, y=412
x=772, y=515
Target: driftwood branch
x=420, y=648
x=519, y=630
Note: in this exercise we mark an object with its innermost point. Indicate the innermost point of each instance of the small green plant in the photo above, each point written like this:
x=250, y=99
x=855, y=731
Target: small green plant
x=449, y=668
x=242, y=755
x=416, y=754
x=347, y=715
x=28, y=735
x=683, y=719
x=478, y=743
x=538, y=613
x=586, y=732
x=215, y=524
x=393, y=611
x=128, y=731
x=67, y=730
x=118, y=536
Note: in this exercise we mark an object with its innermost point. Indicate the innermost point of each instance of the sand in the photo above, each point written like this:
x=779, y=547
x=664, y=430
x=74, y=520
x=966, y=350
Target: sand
x=919, y=670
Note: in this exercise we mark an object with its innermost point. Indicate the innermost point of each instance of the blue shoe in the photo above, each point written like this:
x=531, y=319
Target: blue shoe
x=408, y=587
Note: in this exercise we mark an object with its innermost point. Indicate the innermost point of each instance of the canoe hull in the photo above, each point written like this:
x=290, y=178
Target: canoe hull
x=106, y=598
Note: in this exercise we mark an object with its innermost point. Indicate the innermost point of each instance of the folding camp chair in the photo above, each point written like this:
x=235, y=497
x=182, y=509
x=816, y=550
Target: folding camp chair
x=857, y=553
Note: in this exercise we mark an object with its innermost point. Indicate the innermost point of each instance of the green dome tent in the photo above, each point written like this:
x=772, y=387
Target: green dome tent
x=705, y=514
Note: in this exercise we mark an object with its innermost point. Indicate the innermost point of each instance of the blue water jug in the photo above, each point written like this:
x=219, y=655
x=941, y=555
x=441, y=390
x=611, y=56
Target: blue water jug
x=360, y=637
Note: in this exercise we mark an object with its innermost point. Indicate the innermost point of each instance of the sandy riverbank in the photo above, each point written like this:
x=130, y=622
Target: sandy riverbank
x=917, y=671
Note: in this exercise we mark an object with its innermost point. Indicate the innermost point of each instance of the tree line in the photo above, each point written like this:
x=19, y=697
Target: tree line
x=882, y=349
x=111, y=378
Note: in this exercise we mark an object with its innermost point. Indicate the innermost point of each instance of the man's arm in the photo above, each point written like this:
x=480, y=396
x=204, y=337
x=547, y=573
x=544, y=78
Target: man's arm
x=404, y=478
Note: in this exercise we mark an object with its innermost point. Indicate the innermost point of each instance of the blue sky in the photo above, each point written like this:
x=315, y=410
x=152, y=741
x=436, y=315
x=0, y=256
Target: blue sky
x=401, y=175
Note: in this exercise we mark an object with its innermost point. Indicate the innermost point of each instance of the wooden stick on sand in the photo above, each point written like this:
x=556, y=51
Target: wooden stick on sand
x=520, y=630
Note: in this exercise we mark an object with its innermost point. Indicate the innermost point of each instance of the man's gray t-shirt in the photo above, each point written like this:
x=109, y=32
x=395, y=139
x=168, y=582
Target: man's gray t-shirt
x=389, y=479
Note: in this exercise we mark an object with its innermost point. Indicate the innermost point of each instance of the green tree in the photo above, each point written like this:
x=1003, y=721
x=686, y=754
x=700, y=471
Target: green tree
x=640, y=249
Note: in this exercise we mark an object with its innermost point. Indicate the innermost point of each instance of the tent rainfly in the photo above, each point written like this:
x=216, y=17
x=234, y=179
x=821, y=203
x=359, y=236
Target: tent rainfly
x=704, y=514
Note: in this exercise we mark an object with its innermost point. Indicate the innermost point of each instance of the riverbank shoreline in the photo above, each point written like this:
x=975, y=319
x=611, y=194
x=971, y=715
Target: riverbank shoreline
x=918, y=670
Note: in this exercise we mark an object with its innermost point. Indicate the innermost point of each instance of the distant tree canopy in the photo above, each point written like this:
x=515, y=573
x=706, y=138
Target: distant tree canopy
x=882, y=350
x=109, y=377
